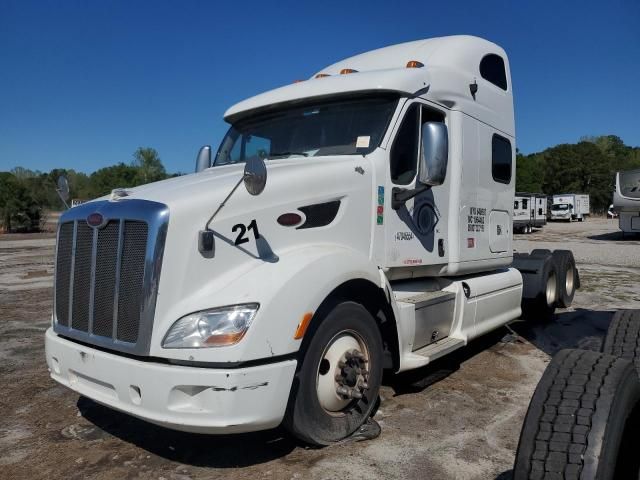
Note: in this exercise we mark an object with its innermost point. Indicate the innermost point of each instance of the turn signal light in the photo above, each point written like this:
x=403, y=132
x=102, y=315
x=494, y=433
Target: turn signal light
x=322, y=75
x=414, y=64
x=347, y=70
x=303, y=325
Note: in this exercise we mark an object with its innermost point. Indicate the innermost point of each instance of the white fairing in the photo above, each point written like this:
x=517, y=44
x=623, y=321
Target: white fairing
x=455, y=238
x=626, y=200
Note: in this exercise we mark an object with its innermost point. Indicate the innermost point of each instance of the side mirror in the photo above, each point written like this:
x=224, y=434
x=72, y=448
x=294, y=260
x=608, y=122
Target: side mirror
x=435, y=153
x=203, y=160
x=63, y=189
x=255, y=175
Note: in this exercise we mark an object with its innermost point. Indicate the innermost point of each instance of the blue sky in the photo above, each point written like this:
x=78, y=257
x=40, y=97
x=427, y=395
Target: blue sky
x=84, y=83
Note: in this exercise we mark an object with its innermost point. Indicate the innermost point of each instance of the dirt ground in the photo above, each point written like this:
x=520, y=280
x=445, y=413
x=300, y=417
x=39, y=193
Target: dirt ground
x=456, y=419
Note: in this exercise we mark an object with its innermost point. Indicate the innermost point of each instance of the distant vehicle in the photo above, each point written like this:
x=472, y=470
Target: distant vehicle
x=529, y=211
x=611, y=213
x=626, y=200
x=569, y=207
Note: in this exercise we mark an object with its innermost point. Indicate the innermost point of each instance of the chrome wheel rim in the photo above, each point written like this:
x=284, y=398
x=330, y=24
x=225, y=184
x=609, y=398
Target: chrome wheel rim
x=343, y=372
x=569, y=281
x=551, y=289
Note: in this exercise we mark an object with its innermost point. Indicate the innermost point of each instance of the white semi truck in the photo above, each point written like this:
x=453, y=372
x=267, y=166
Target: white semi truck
x=569, y=207
x=529, y=211
x=626, y=201
x=381, y=239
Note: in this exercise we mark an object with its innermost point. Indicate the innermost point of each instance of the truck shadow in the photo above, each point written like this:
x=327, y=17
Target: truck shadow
x=579, y=328
x=224, y=451
x=616, y=236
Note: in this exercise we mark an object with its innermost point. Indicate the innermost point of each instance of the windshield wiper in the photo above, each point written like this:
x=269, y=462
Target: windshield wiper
x=284, y=154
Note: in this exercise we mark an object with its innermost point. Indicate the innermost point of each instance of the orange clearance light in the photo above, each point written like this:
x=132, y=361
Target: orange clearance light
x=414, y=64
x=322, y=75
x=302, y=326
x=347, y=70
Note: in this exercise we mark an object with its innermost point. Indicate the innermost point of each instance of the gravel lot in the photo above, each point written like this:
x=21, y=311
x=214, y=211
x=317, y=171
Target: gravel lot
x=457, y=419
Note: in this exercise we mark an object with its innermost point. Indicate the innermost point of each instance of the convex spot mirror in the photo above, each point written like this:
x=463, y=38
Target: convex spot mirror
x=255, y=175
x=203, y=160
x=63, y=188
x=435, y=152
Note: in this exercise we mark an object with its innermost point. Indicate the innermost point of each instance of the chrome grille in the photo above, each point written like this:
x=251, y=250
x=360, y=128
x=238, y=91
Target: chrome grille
x=106, y=277
x=131, y=273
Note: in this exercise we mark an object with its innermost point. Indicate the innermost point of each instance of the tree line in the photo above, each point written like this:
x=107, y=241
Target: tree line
x=588, y=166
x=26, y=194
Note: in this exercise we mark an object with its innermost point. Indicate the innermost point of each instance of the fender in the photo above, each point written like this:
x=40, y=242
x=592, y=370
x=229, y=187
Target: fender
x=287, y=289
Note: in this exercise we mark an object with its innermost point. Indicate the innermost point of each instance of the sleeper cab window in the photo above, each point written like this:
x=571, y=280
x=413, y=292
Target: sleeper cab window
x=492, y=69
x=501, y=160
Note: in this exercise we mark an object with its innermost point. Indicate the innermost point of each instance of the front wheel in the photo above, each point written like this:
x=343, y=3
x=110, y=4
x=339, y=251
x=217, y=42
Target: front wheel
x=338, y=379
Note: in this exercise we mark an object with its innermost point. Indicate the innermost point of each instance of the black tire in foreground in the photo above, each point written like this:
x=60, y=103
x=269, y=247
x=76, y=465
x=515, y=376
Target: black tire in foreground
x=582, y=421
x=338, y=378
x=623, y=336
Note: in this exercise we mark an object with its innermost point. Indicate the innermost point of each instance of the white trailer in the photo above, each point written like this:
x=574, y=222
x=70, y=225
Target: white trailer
x=626, y=200
x=381, y=240
x=569, y=207
x=529, y=211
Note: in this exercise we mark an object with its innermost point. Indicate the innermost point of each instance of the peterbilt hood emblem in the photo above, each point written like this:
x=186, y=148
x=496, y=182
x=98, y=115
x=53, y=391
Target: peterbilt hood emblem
x=96, y=220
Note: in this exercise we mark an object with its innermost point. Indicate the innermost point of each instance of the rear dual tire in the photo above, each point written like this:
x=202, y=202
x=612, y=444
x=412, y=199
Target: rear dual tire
x=568, y=278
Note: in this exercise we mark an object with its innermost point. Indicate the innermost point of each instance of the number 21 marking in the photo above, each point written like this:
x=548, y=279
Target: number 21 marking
x=243, y=230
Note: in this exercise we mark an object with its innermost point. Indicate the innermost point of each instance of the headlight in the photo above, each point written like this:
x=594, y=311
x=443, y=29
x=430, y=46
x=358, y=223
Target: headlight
x=216, y=327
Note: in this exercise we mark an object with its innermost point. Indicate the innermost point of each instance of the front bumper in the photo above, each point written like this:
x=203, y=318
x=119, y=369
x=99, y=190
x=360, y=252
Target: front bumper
x=191, y=399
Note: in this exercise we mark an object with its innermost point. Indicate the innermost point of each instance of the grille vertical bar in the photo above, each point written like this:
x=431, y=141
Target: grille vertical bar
x=63, y=272
x=105, y=279
x=131, y=280
x=82, y=277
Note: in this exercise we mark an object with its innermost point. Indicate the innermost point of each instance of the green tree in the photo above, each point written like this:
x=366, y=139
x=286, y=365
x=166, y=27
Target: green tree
x=150, y=168
x=19, y=210
x=117, y=176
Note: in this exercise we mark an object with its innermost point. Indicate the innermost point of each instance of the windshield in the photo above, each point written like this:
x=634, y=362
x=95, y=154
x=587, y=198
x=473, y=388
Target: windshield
x=338, y=127
x=630, y=184
x=560, y=206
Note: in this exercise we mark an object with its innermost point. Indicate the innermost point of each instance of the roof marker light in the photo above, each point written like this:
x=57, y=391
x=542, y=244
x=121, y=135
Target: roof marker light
x=322, y=75
x=347, y=70
x=414, y=64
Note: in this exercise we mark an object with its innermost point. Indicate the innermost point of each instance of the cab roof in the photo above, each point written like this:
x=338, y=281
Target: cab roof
x=449, y=66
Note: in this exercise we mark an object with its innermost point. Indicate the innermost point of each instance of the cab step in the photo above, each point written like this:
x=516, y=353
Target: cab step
x=440, y=348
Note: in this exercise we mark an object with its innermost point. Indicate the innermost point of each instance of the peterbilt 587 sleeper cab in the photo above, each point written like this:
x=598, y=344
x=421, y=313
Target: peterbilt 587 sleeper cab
x=382, y=240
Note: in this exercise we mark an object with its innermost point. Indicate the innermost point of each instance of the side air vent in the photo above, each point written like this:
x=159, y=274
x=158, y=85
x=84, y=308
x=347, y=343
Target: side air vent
x=319, y=214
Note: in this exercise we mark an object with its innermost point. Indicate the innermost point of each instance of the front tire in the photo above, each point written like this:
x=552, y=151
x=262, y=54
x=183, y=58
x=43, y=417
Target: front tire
x=338, y=379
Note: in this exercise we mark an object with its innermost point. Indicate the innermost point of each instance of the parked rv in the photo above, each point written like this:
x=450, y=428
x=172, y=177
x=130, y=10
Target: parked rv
x=569, y=207
x=382, y=239
x=529, y=211
x=626, y=200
